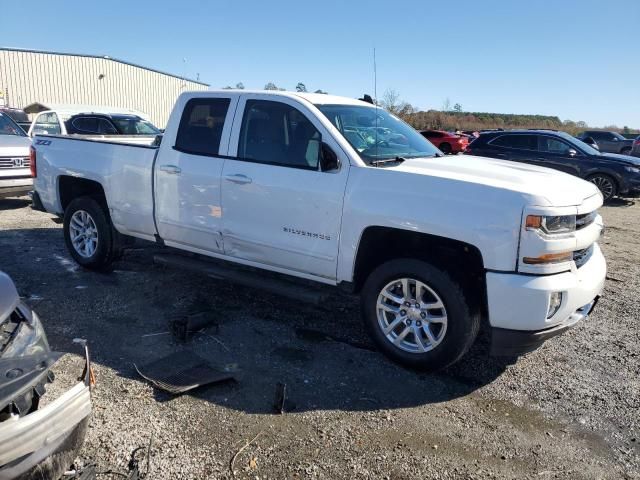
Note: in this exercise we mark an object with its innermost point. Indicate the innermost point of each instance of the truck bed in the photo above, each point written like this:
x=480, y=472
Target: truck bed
x=123, y=169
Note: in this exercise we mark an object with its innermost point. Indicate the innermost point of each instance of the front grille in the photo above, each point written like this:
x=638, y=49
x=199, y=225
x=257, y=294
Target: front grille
x=582, y=256
x=14, y=162
x=585, y=219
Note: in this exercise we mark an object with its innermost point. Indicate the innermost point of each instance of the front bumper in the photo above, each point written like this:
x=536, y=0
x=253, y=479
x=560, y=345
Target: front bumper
x=506, y=342
x=15, y=187
x=520, y=303
x=40, y=443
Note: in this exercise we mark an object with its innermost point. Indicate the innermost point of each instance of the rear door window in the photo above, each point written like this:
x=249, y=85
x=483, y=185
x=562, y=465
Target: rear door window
x=201, y=126
x=519, y=142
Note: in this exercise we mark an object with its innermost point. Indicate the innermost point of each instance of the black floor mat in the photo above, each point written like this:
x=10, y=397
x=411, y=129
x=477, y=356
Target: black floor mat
x=182, y=371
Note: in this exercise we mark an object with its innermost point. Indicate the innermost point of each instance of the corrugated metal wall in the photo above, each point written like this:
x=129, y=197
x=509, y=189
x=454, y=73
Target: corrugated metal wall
x=53, y=78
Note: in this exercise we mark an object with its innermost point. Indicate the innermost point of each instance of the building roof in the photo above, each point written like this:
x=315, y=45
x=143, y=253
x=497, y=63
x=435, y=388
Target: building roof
x=103, y=57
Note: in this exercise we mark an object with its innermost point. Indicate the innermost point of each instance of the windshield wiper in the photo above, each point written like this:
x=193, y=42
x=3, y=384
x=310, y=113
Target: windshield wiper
x=382, y=161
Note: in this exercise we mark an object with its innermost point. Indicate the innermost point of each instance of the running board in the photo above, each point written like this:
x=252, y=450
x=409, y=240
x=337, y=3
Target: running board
x=245, y=276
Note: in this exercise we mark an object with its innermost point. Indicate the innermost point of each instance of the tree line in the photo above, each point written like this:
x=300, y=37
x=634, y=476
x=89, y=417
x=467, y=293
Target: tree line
x=455, y=118
x=300, y=87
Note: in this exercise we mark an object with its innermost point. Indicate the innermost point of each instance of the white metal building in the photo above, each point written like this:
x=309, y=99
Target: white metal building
x=46, y=78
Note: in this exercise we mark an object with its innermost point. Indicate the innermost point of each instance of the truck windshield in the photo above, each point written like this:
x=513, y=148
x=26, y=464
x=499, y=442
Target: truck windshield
x=132, y=125
x=9, y=127
x=376, y=134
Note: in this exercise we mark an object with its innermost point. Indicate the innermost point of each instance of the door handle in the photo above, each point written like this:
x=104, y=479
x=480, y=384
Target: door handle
x=172, y=169
x=238, y=178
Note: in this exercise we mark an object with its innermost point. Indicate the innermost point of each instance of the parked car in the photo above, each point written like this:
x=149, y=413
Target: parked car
x=613, y=174
x=447, y=142
x=298, y=183
x=35, y=441
x=18, y=116
x=635, y=150
x=15, y=176
x=609, y=142
x=107, y=123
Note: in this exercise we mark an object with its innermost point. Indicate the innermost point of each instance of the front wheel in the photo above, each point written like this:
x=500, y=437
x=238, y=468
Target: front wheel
x=418, y=315
x=625, y=151
x=88, y=234
x=605, y=184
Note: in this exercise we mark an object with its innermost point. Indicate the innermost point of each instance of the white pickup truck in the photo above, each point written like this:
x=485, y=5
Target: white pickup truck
x=343, y=193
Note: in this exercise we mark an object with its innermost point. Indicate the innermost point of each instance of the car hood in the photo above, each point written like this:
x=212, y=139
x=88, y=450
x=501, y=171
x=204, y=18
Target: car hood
x=627, y=159
x=9, y=297
x=14, y=145
x=547, y=187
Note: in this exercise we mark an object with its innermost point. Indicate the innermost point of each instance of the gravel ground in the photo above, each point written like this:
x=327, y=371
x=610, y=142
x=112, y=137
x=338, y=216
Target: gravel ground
x=569, y=410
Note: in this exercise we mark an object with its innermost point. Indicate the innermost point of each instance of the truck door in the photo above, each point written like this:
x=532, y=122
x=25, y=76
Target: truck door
x=279, y=208
x=188, y=171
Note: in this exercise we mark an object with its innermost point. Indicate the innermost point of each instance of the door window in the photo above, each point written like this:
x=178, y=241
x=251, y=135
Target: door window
x=520, y=142
x=553, y=145
x=278, y=134
x=48, y=124
x=201, y=126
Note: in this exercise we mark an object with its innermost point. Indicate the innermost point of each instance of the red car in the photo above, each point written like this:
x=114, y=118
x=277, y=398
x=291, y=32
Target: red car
x=447, y=142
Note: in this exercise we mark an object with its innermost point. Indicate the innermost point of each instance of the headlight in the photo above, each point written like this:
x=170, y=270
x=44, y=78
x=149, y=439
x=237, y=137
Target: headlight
x=551, y=224
x=632, y=169
x=30, y=338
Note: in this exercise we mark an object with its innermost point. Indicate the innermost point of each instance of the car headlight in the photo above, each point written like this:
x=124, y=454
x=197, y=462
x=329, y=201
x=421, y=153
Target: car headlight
x=632, y=169
x=30, y=338
x=551, y=224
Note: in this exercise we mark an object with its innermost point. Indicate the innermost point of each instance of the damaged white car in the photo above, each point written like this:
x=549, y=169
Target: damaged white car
x=35, y=442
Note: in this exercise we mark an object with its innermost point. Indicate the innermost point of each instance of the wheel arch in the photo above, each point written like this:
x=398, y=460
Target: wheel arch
x=462, y=260
x=70, y=188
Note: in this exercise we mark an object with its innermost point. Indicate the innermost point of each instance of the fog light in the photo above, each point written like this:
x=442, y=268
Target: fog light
x=555, y=300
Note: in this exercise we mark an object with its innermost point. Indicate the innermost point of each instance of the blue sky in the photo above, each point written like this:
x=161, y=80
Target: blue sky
x=578, y=59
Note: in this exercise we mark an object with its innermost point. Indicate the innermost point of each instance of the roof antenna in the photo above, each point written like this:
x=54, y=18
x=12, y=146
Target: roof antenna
x=375, y=94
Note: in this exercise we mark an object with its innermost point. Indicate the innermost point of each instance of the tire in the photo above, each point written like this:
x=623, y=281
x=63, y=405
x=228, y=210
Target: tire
x=445, y=148
x=453, y=326
x=606, y=184
x=625, y=151
x=101, y=245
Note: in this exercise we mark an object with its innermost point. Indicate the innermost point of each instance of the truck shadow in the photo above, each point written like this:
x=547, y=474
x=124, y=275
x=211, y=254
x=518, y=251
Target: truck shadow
x=321, y=354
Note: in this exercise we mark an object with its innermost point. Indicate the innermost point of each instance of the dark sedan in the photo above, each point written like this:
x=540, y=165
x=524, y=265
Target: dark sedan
x=614, y=175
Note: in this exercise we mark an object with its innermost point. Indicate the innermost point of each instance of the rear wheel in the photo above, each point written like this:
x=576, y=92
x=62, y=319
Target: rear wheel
x=418, y=315
x=90, y=238
x=445, y=148
x=605, y=184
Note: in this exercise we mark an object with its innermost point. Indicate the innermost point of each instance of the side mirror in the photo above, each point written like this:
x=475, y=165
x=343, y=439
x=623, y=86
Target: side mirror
x=328, y=159
x=572, y=152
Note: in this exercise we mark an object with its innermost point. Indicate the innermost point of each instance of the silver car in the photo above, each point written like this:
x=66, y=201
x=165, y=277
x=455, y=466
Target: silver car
x=608, y=142
x=35, y=442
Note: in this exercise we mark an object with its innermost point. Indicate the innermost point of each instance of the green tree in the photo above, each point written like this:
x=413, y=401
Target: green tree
x=301, y=87
x=271, y=86
x=457, y=108
x=240, y=86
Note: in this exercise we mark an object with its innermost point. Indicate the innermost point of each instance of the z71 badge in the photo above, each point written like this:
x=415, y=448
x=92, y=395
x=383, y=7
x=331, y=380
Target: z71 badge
x=296, y=231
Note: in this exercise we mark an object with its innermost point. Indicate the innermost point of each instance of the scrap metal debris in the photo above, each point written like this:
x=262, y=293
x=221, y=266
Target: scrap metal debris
x=182, y=371
x=184, y=326
x=281, y=397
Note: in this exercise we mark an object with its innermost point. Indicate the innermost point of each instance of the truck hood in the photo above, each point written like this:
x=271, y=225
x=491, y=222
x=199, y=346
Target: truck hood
x=547, y=187
x=13, y=145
